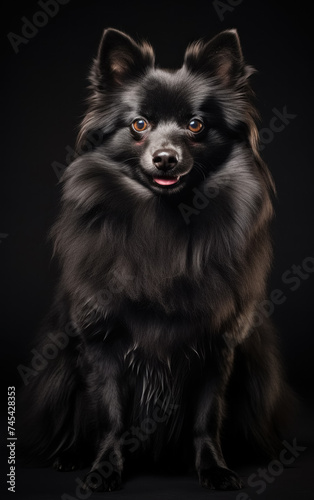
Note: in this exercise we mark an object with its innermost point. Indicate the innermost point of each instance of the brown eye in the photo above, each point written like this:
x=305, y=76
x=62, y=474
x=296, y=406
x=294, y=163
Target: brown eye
x=195, y=125
x=140, y=125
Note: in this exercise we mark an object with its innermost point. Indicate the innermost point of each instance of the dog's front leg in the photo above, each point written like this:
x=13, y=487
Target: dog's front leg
x=210, y=464
x=104, y=394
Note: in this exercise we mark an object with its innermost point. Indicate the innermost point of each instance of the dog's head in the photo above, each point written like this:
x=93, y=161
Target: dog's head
x=169, y=129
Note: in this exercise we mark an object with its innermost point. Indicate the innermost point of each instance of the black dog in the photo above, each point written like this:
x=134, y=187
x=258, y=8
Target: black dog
x=163, y=241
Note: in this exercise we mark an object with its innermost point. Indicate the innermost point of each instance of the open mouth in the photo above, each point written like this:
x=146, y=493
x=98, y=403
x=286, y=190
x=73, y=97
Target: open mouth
x=166, y=181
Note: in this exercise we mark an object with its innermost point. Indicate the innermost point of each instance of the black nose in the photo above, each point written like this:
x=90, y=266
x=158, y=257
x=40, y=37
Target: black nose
x=165, y=159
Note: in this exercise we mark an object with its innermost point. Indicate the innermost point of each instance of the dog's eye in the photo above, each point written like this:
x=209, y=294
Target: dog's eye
x=140, y=125
x=195, y=125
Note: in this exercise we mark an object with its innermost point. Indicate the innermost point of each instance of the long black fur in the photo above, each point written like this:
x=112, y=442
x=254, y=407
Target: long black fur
x=160, y=288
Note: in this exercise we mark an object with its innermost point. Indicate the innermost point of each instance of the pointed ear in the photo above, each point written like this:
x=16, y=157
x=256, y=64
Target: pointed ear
x=221, y=58
x=120, y=58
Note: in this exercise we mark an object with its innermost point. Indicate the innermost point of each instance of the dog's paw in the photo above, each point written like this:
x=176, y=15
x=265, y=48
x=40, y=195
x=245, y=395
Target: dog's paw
x=219, y=478
x=95, y=481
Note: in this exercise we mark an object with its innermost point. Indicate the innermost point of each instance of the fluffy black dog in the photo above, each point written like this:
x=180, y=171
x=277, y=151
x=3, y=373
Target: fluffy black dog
x=163, y=242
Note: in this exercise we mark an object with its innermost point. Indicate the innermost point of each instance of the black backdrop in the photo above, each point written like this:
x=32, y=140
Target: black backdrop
x=44, y=87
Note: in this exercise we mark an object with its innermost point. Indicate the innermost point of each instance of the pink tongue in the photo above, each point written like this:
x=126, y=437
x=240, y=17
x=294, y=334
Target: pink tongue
x=166, y=182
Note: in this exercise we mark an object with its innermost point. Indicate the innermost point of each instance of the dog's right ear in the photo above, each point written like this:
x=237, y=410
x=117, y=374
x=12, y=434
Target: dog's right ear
x=119, y=59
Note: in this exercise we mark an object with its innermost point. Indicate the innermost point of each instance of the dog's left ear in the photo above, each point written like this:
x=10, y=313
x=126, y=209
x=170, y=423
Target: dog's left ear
x=220, y=58
x=119, y=59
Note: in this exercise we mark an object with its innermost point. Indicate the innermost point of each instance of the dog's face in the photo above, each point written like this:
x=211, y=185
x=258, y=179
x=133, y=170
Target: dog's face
x=172, y=131
x=169, y=129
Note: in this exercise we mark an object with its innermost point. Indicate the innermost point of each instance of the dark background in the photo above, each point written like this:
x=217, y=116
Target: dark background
x=44, y=89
